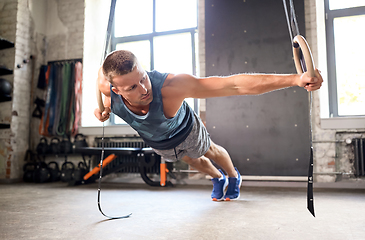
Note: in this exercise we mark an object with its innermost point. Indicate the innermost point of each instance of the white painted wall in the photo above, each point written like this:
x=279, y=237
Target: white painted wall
x=331, y=153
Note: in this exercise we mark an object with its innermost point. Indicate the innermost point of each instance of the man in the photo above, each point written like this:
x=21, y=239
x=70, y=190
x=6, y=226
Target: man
x=153, y=104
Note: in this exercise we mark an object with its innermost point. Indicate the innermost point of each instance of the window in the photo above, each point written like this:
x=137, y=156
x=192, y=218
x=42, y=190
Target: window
x=154, y=30
x=345, y=21
x=161, y=33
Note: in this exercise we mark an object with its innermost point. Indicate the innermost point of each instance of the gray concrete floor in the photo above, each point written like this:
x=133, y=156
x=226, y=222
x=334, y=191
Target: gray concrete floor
x=55, y=211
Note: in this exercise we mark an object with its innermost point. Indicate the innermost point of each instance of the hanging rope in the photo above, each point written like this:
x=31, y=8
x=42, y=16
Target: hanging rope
x=303, y=62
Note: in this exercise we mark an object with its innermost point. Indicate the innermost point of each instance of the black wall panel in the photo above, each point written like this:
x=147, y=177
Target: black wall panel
x=269, y=134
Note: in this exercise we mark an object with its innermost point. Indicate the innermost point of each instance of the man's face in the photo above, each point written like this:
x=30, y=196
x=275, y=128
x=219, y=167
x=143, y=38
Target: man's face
x=135, y=87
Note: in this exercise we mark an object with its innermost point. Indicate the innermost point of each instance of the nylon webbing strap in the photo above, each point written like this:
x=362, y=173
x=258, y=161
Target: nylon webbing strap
x=292, y=21
x=60, y=129
x=49, y=77
x=107, y=40
x=54, y=116
x=109, y=28
x=60, y=105
x=294, y=31
x=72, y=103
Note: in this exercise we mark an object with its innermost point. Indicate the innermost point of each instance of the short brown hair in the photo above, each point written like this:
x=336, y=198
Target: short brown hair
x=118, y=63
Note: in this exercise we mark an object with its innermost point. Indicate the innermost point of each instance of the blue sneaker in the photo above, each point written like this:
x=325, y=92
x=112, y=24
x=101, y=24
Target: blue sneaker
x=219, y=187
x=234, y=185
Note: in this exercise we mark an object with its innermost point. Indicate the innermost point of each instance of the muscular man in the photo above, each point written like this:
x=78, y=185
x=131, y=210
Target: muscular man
x=153, y=104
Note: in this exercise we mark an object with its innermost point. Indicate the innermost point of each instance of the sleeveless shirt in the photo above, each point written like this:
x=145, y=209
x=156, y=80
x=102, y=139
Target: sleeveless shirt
x=154, y=128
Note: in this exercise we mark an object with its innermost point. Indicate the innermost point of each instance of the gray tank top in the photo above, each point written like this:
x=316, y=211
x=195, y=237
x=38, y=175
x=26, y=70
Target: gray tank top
x=154, y=128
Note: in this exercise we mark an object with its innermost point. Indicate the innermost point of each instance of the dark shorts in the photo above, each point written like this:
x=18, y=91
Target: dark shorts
x=195, y=145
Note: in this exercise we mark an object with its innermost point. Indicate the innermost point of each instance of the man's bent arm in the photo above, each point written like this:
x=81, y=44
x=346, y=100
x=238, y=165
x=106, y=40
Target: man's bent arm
x=103, y=84
x=104, y=87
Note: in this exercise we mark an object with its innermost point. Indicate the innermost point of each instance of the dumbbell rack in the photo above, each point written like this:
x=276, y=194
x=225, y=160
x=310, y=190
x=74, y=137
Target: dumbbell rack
x=5, y=71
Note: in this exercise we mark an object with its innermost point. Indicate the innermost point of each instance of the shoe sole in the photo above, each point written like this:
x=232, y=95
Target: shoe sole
x=233, y=199
x=225, y=187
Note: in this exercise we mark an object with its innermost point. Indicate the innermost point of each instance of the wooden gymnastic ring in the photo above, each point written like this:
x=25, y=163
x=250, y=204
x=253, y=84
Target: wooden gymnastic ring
x=303, y=45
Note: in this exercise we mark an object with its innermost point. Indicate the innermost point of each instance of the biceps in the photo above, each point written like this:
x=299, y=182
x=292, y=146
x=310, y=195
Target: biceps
x=104, y=86
x=188, y=86
x=214, y=87
x=107, y=101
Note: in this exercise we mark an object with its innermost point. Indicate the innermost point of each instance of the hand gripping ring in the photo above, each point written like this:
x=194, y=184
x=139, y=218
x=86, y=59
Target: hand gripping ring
x=307, y=54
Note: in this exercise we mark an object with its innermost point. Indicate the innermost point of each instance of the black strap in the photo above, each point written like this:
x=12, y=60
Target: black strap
x=109, y=28
x=292, y=21
x=294, y=31
x=107, y=40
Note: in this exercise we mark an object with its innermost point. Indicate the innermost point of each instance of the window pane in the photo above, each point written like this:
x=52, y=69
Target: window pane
x=141, y=49
x=350, y=62
x=173, y=53
x=175, y=14
x=341, y=4
x=133, y=17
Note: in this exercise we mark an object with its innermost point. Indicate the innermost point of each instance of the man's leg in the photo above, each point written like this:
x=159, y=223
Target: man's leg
x=204, y=165
x=220, y=156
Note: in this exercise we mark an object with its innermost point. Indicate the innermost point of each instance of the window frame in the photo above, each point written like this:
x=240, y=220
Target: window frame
x=330, y=15
x=150, y=37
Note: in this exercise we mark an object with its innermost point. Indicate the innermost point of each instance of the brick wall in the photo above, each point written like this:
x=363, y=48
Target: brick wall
x=17, y=25
x=69, y=44
x=8, y=15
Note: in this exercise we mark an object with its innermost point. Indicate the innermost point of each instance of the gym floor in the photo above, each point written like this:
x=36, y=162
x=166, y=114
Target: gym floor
x=56, y=211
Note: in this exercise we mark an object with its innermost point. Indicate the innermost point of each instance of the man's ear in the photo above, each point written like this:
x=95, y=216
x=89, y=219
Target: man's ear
x=115, y=90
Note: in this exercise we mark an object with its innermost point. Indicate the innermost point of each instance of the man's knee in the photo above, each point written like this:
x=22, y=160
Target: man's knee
x=194, y=161
x=188, y=160
x=214, y=151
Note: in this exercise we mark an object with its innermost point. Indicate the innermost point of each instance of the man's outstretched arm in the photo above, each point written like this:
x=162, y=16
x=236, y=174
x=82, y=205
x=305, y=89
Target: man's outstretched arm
x=184, y=85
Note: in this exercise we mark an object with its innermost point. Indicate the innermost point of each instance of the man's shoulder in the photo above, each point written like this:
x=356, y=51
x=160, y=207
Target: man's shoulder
x=157, y=74
x=157, y=78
